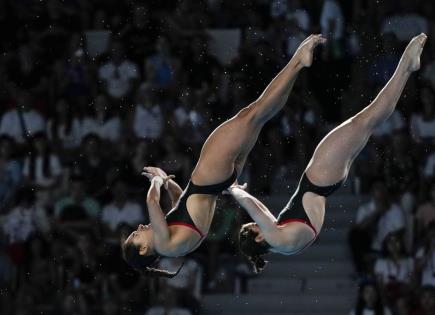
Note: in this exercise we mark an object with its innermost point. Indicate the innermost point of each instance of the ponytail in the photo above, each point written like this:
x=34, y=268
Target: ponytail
x=252, y=249
x=258, y=263
x=154, y=272
x=145, y=265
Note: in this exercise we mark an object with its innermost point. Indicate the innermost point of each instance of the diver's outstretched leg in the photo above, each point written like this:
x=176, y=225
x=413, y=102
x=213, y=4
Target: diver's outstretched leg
x=230, y=143
x=334, y=155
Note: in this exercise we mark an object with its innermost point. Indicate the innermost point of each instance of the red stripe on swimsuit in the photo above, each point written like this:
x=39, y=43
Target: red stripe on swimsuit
x=298, y=220
x=189, y=226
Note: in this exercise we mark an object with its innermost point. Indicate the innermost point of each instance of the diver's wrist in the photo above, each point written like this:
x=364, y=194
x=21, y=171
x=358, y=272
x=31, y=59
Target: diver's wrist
x=158, y=180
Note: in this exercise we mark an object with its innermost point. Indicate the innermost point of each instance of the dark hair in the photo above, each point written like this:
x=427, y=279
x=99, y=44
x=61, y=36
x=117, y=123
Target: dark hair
x=145, y=265
x=397, y=234
x=253, y=249
x=46, y=167
x=361, y=305
x=56, y=121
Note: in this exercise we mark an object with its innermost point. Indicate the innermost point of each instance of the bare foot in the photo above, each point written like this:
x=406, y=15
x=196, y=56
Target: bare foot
x=304, y=53
x=411, y=56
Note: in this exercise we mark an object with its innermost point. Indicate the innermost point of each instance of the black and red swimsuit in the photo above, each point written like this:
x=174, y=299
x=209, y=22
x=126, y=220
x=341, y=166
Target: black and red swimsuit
x=294, y=210
x=179, y=214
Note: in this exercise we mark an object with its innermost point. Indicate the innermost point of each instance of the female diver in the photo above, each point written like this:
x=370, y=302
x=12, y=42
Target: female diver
x=222, y=157
x=299, y=223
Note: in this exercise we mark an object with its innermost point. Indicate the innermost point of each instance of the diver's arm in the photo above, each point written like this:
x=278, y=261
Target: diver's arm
x=174, y=191
x=257, y=211
x=157, y=218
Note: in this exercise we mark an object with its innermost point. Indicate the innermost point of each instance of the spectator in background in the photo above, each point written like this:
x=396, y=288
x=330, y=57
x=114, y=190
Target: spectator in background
x=395, y=270
x=27, y=68
x=121, y=210
x=381, y=213
x=147, y=118
x=199, y=65
x=405, y=22
x=78, y=73
x=220, y=234
x=426, y=301
x=425, y=257
x=394, y=123
x=23, y=121
x=10, y=171
x=143, y=153
x=175, y=161
x=369, y=300
x=87, y=269
x=188, y=118
x=429, y=167
x=162, y=68
x=401, y=171
x=26, y=218
x=291, y=10
x=384, y=65
x=297, y=13
x=423, y=122
x=278, y=8
x=295, y=36
x=119, y=76
x=42, y=169
x=425, y=214
x=63, y=128
x=374, y=221
x=140, y=35
x=78, y=197
x=101, y=122
x=39, y=269
x=296, y=21
x=187, y=284
x=332, y=20
x=93, y=165
x=72, y=77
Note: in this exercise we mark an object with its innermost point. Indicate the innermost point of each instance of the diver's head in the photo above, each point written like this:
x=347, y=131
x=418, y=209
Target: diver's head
x=138, y=251
x=253, y=245
x=138, y=247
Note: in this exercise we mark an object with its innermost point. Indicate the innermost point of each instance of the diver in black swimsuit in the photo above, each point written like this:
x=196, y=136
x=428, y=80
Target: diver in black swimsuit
x=223, y=155
x=300, y=221
x=179, y=215
x=294, y=210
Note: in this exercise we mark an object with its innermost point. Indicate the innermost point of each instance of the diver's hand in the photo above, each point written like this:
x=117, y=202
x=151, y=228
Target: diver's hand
x=230, y=189
x=150, y=172
x=156, y=171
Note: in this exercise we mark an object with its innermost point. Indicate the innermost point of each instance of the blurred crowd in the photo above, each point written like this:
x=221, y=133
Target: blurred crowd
x=92, y=91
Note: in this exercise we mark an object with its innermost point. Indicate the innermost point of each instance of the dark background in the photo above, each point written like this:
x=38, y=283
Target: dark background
x=92, y=91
